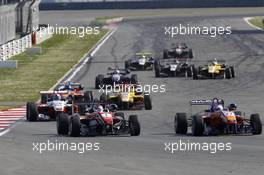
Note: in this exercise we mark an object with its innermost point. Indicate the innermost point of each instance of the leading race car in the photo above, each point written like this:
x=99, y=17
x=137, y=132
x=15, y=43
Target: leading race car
x=178, y=50
x=70, y=86
x=128, y=96
x=173, y=68
x=97, y=120
x=214, y=70
x=217, y=120
x=115, y=76
x=142, y=61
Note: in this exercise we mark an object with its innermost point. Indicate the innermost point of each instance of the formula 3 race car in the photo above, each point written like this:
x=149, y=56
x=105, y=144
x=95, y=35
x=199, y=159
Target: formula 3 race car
x=52, y=103
x=178, y=50
x=128, y=96
x=214, y=70
x=115, y=76
x=142, y=61
x=217, y=122
x=97, y=120
x=173, y=68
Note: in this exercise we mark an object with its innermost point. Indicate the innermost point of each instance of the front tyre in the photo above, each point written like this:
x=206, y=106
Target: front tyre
x=180, y=123
x=256, y=124
x=134, y=125
x=32, y=112
x=74, y=126
x=62, y=124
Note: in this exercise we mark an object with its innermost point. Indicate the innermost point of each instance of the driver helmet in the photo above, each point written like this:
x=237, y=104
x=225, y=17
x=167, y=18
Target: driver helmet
x=100, y=108
x=214, y=62
x=117, y=71
x=232, y=107
x=56, y=97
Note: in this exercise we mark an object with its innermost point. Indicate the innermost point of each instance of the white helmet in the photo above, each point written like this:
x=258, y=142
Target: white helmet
x=100, y=108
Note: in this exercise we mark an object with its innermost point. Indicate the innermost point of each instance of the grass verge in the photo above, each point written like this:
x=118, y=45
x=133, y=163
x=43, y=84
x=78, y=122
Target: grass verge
x=41, y=71
x=257, y=21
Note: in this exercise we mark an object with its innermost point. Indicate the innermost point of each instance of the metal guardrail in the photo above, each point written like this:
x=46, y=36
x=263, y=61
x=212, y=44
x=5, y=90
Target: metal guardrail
x=15, y=47
x=18, y=46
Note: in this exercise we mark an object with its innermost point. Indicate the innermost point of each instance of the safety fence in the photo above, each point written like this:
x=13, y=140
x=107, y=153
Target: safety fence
x=18, y=46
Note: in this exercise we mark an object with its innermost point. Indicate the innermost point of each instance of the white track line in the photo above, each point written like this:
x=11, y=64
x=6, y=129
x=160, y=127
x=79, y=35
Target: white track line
x=92, y=54
x=247, y=19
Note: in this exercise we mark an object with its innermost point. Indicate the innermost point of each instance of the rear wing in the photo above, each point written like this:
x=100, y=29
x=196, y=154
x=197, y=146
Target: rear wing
x=53, y=92
x=200, y=102
x=143, y=53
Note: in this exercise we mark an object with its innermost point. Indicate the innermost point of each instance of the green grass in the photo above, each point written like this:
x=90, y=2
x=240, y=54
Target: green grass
x=257, y=21
x=41, y=71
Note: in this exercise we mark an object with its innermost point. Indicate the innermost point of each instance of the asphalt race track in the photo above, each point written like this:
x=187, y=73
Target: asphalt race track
x=145, y=154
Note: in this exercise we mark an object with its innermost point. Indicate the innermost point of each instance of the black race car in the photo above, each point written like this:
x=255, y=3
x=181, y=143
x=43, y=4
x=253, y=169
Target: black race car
x=172, y=68
x=116, y=76
x=142, y=61
x=178, y=50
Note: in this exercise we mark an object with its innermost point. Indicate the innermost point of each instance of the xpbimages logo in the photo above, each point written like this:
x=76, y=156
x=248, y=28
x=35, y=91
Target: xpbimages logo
x=147, y=89
x=50, y=146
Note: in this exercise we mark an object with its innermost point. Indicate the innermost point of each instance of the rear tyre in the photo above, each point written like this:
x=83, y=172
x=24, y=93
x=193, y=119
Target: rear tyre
x=147, y=102
x=88, y=96
x=134, y=125
x=165, y=54
x=233, y=74
x=227, y=73
x=63, y=124
x=190, y=53
x=256, y=124
x=134, y=79
x=99, y=81
x=32, y=112
x=180, y=123
x=127, y=64
x=190, y=71
x=197, y=125
x=157, y=69
x=195, y=73
x=74, y=126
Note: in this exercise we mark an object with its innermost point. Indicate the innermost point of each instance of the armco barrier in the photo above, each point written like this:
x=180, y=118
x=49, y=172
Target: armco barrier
x=18, y=46
x=146, y=4
x=15, y=47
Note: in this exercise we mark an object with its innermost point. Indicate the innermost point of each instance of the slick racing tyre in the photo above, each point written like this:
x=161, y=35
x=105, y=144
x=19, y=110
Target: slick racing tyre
x=195, y=73
x=99, y=81
x=165, y=54
x=127, y=64
x=190, y=71
x=32, y=112
x=190, y=53
x=157, y=69
x=180, y=123
x=147, y=102
x=62, y=124
x=134, y=125
x=233, y=74
x=134, y=79
x=227, y=73
x=74, y=126
x=88, y=96
x=197, y=125
x=256, y=124
x=104, y=98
